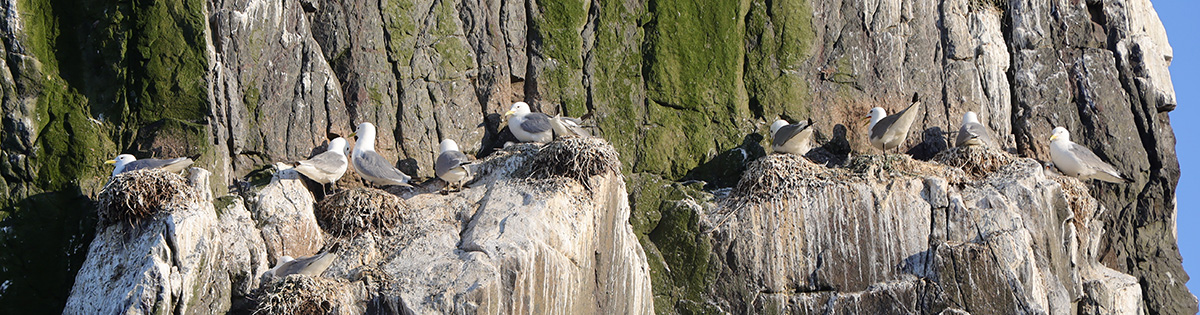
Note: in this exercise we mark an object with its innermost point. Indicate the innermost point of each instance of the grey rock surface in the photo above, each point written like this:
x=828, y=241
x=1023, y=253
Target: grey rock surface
x=919, y=238
x=187, y=259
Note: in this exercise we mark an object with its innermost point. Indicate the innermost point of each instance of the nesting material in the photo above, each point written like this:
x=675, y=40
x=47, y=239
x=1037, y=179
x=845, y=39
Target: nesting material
x=976, y=161
x=362, y=210
x=902, y=164
x=301, y=294
x=578, y=158
x=138, y=194
x=778, y=175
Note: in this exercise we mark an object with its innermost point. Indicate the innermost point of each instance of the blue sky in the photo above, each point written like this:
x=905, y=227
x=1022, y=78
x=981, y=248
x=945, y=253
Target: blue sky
x=1180, y=19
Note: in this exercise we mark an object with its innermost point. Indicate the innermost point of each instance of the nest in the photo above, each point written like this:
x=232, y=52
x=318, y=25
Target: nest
x=361, y=210
x=135, y=195
x=777, y=175
x=578, y=158
x=976, y=161
x=300, y=294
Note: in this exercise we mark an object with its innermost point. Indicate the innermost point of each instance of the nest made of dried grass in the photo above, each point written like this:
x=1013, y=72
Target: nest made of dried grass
x=300, y=294
x=135, y=195
x=362, y=210
x=778, y=175
x=975, y=161
x=578, y=158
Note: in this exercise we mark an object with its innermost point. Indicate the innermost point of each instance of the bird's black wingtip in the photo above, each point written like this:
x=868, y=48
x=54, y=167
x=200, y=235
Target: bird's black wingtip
x=916, y=97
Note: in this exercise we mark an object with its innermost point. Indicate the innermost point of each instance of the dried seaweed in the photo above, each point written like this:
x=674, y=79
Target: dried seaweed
x=139, y=194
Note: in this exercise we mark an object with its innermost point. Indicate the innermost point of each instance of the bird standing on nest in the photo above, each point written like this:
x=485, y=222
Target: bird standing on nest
x=889, y=132
x=451, y=166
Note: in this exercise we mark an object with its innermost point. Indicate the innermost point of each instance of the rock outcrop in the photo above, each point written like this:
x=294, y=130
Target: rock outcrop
x=682, y=89
x=910, y=237
x=554, y=243
x=186, y=258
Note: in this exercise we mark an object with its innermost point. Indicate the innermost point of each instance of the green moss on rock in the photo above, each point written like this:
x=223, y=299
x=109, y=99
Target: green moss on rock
x=555, y=31
x=679, y=253
x=779, y=39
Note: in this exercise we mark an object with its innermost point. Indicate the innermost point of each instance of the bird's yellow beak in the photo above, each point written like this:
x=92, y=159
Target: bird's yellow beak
x=508, y=114
x=110, y=162
x=352, y=134
x=1052, y=137
x=866, y=120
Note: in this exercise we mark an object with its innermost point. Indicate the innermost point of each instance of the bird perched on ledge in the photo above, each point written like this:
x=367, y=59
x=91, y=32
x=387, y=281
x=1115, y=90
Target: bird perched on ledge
x=1078, y=161
x=791, y=138
x=451, y=165
x=126, y=162
x=327, y=167
x=889, y=132
x=370, y=165
x=529, y=126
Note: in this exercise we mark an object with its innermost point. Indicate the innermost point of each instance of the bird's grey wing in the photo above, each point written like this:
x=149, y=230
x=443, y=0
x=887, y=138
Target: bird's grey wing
x=375, y=165
x=449, y=160
x=972, y=130
x=1090, y=160
x=786, y=132
x=327, y=161
x=576, y=121
x=536, y=123
x=904, y=119
x=151, y=163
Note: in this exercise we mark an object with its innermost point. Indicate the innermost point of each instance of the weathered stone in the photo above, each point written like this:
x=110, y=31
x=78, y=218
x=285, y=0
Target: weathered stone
x=283, y=210
x=186, y=258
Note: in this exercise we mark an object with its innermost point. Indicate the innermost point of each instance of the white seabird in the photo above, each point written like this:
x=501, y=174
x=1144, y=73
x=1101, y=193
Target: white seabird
x=889, y=132
x=370, y=165
x=311, y=266
x=791, y=138
x=126, y=162
x=328, y=166
x=972, y=133
x=1078, y=161
x=451, y=165
x=567, y=126
x=528, y=126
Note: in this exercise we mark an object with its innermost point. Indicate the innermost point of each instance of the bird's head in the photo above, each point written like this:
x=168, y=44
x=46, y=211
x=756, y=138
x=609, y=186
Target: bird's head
x=1060, y=134
x=448, y=145
x=518, y=108
x=875, y=115
x=120, y=162
x=970, y=117
x=779, y=123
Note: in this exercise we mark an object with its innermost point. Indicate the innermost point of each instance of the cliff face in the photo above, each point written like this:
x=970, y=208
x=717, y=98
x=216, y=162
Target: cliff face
x=681, y=89
x=505, y=245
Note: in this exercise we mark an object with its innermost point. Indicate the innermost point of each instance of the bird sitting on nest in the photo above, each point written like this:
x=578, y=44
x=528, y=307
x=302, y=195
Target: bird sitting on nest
x=973, y=133
x=126, y=162
x=791, y=138
x=528, y=126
